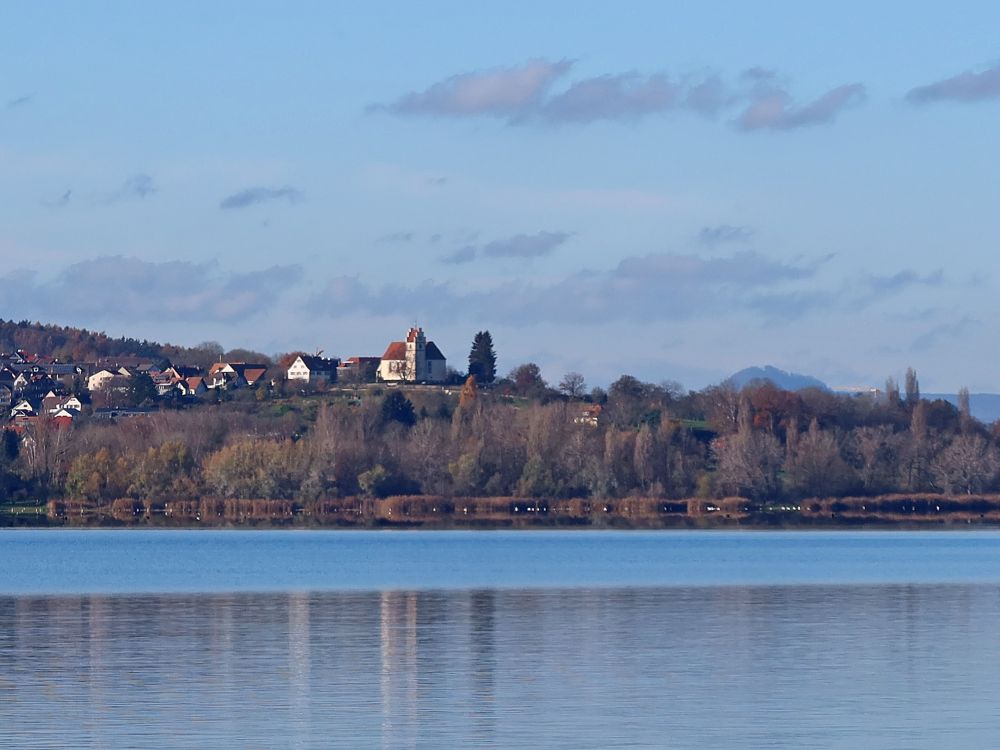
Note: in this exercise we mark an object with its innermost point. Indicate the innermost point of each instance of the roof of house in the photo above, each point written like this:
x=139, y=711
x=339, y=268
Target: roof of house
x=249, y=371
x=253, y=374
x=186, y=371
x=433, y=352
x=315, y=363
x=396, y=350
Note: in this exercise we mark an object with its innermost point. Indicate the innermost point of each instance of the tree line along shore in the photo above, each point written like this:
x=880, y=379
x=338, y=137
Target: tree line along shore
x=637, y=453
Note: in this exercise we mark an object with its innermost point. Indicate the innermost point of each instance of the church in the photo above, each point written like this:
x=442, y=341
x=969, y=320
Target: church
x=415, y=360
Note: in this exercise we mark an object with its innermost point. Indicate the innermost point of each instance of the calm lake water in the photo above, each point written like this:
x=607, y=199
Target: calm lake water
x=213, y=639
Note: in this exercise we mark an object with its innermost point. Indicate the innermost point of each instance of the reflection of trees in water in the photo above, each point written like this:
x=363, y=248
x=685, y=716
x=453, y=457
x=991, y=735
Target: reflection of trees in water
x=299, y=689
x=537, y=668
x=482, y=636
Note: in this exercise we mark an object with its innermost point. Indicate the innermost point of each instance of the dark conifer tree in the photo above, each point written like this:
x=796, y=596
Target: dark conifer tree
x=482, y=358
x=398, y=408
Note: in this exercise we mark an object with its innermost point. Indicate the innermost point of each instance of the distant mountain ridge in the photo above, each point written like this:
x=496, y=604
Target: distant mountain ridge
x=789, y=381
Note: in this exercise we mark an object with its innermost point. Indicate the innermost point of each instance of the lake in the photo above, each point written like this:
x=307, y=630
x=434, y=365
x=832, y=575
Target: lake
x=301, y=639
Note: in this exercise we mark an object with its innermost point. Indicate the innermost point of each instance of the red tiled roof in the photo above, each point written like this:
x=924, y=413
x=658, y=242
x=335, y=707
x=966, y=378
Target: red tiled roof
x=396, y=350
x=253, y=374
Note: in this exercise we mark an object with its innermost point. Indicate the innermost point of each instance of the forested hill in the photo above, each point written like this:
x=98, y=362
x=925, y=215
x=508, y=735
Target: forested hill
x=76, y=344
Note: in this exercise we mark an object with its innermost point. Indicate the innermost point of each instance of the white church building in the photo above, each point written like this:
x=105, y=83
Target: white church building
x=415, y=360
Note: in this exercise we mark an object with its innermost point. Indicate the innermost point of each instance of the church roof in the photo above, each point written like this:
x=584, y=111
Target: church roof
x=396, y=350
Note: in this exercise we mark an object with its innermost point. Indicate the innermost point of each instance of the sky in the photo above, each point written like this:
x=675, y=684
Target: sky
x=673, y=191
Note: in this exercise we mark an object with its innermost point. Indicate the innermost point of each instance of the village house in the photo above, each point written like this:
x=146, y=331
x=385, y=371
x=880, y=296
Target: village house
x=234, y=374
x=133, y=364
x=589, y=415
x=174, y=378
x=63, y=418
x=358, y=370
x=23, y=408
x=415, y=360
x=100, y=379
x=178, y=373
x=193, y=386
x=312, y=369
x=53, y=403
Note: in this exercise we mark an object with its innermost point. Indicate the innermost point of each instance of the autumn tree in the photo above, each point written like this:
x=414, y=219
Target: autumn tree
x=164, y=471
x=467, y=398
x=99, y=477
x=482, y=358
x=254, y=468
x=527, y=380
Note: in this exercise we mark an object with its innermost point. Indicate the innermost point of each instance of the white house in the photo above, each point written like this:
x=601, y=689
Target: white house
x=234, y=374
x=100, y=379
x=22, y=409
x=415, y=360
x=311, y=369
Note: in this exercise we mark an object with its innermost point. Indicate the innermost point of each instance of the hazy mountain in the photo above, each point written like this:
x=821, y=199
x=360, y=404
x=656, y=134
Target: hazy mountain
x=789, y=381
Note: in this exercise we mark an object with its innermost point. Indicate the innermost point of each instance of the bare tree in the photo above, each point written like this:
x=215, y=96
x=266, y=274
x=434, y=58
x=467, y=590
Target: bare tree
x=644, y=457
x=573, y=385
x=748, y=462
x=816, y=467
x=970, y=464
x=964, y=410
x=722, y=407
x=917, y=452
x=912, y=387
x=892, y=391
x=877, y=457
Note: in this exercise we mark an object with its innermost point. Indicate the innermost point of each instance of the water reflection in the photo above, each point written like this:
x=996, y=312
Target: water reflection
x=850, y=667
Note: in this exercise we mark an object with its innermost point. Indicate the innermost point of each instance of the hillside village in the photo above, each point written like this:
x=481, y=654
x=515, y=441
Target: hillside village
x=34, y=386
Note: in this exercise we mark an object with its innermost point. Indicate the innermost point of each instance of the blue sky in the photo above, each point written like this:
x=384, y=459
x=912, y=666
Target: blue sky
x=669, y=191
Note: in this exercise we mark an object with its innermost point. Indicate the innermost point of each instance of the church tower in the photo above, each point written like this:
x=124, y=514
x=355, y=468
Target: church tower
x=416, y=354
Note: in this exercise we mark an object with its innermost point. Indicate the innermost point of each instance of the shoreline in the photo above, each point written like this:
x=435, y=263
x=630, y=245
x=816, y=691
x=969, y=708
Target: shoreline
x=895, y=512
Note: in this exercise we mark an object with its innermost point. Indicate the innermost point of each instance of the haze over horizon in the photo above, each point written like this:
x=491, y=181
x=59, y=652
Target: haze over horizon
x=669, y=193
